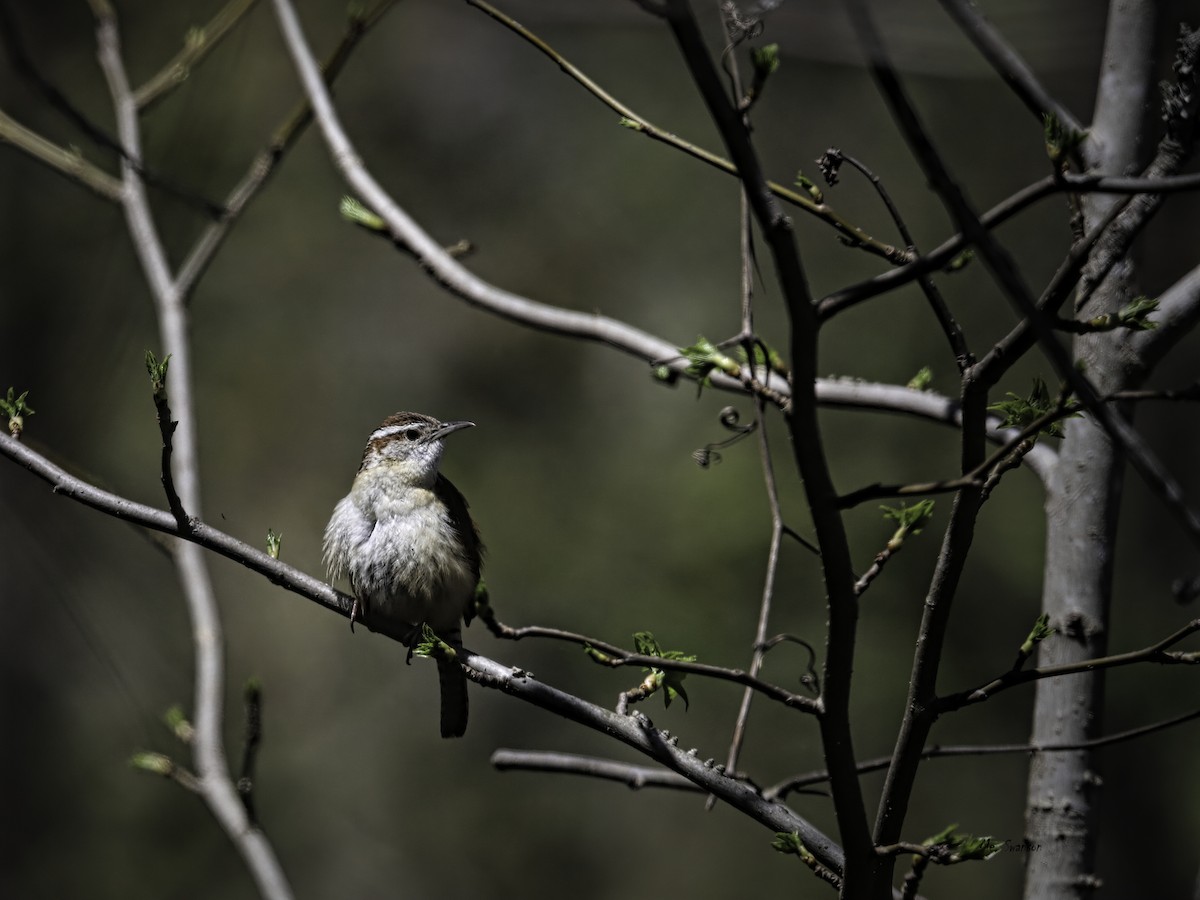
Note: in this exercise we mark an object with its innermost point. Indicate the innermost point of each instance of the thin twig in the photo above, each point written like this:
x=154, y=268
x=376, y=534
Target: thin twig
x=252, y=696
x=632, y=776
x=851, y=295
x=199, y=43
x=946, y=321
x=1155, y=653
x=879, y=763
x=60, y=102
x=265, y=163
x=611, y=655
x=69, y=163
x=853, y=235
x=1008, y=63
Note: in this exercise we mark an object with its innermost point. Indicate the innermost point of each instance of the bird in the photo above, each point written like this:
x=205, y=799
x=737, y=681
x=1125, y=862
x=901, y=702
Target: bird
x=405, y=540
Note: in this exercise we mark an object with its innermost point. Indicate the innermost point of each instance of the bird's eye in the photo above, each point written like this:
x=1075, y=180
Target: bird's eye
x=412, y=434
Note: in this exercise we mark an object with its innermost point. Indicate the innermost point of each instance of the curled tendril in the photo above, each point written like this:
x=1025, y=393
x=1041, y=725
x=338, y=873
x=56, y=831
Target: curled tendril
x=810, y=679
x=729, y=418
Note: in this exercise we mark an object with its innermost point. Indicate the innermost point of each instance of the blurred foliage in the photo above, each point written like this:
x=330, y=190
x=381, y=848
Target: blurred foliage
x=308, y=332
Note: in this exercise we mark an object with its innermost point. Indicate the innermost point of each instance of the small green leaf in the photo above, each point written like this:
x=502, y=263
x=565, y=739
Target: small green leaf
x=765, y=61
x=910, y=520
x=959, y=262
x=807, y=184
x=646, y=644
x=432, y=645
x=665, y=374
x=922, y=380
x=155, y=763
x=962, y=847
x=1136, y=315
x=1020, y=412
x=669, y=681
x=178, y=723
x=158, y=373
x=1061, y=142
x=703, y=358
x=1040, y=631
x=793, y=846
x=627, y=122
x=16, y=408
x=353, y=211
x=273, y=543
x=598, y=655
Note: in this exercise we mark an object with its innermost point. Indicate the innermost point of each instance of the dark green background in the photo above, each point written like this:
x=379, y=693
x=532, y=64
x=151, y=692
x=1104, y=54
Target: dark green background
x=307, y=332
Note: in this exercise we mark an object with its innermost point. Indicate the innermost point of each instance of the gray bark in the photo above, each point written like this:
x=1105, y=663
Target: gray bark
x=1083, y=498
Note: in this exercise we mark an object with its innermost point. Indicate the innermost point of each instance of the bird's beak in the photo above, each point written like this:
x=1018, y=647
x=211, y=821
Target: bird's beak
x=449, y=428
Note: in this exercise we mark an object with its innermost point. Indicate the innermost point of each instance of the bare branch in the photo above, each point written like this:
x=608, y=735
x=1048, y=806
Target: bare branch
x=268, y=159
x=212, y=770
x=634, y=777
x=199, y=43
x=1155, y=653
x=66, y=162
x=879, y=763
x=613, y=656
x=634, y=730
x=853, y=235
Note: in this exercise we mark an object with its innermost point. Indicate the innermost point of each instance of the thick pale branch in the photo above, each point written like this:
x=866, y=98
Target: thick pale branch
x=208, y=752
x=1177, y=315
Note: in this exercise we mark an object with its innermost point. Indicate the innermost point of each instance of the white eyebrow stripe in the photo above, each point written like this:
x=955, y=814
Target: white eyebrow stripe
x=387, y=432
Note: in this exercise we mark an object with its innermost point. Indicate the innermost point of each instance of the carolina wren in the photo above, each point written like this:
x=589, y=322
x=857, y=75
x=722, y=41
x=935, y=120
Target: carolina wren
x=407, y=544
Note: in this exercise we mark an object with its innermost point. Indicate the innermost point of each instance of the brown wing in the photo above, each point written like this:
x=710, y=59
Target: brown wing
x=460, y=517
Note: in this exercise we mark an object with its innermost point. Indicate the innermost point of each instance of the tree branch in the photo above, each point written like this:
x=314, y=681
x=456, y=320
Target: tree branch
x=852, y=234
x=633, y=777
x=1156, y=653
x=212, y=770
x=69, y=163
x=199, y=43
x=634, y=730
x=1008, y=64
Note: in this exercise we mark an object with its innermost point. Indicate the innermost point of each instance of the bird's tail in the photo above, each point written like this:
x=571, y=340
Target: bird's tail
x=454, y=698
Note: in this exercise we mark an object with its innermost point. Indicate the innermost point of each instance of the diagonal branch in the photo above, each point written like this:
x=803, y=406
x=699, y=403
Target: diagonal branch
x=635, y=730
x=69, y=163
x=851, y=234
x=264, y=164
x=1008, y=63
x=199, y=43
